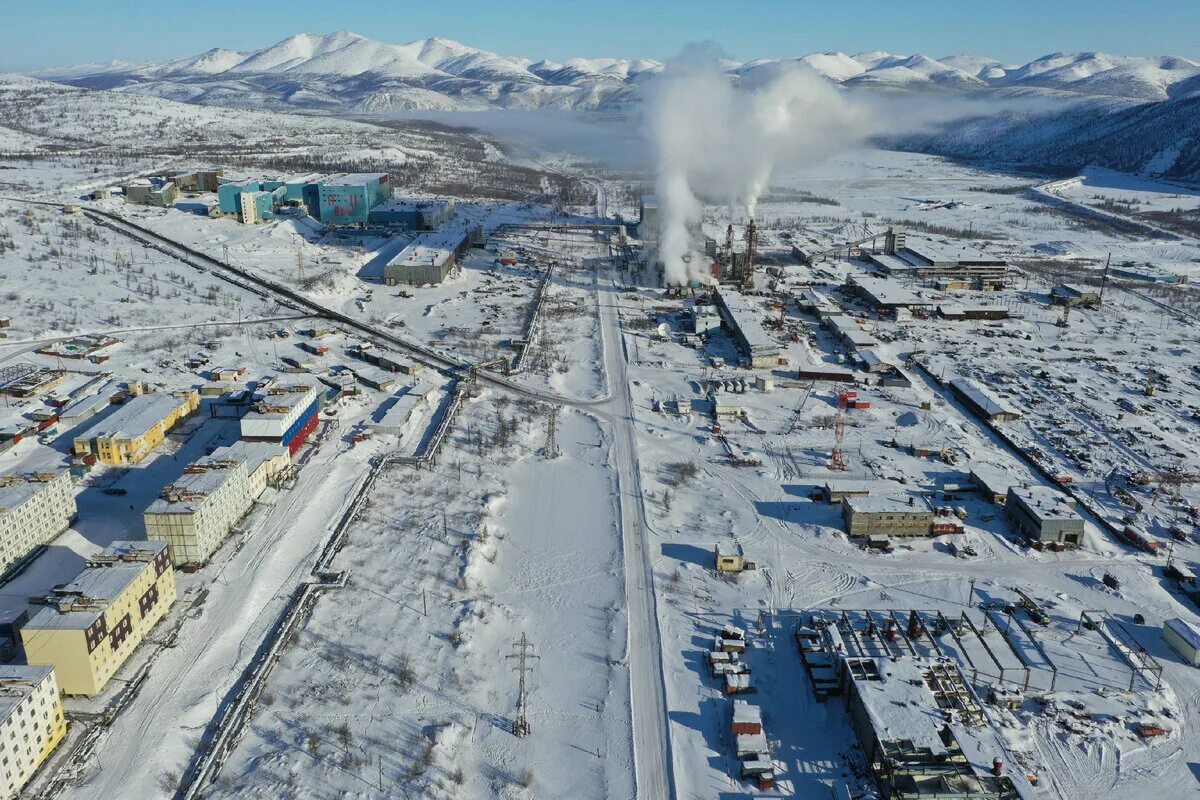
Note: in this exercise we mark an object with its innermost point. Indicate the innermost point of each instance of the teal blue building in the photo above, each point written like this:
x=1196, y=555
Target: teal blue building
x=343, y=199
x=348, y=199
x=251, y=201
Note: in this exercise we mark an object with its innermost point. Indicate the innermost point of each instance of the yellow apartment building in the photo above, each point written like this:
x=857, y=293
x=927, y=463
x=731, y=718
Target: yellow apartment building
x=129, y=434
x=91, y=626
x=31, y=723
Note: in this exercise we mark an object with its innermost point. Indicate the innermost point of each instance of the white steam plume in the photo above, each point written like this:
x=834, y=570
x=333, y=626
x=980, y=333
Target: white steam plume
x=714, y=140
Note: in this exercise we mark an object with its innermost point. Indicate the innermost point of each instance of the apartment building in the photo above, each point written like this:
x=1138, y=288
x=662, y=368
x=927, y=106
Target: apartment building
x=195, y=513
x=36, y=505
x=31, y=723
x=90, y=626
x=130, y=434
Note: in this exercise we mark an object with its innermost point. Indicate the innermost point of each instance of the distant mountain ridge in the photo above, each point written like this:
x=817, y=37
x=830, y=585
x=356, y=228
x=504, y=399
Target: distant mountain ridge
x=1129, y=113
x=347, y=72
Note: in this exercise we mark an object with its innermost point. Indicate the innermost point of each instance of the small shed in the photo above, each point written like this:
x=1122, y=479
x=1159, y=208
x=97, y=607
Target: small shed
x=1184, y=638
x=747, y=719
x=732, y=559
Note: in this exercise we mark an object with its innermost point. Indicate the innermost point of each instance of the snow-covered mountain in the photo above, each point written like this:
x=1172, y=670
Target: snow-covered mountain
x=347, y=72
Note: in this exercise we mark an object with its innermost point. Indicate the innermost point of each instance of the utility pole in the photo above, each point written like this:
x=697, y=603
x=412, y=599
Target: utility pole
x=1104, y=280
x=524, y=654
x=551, y=451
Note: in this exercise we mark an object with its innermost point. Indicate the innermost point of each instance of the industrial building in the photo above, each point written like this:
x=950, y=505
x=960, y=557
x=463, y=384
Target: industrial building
x=1184, y=639
x=90, y=626
x=406, y=406
x=347, y=199
x=36, y=505
x=886, y=516
x=848, y=331
x=703, y=320
x=873, y=362
x=959, y=312
x=427, y=259
x=413, y=215
x=131, y=432
x=898, y=711
x=992, y=482
x=1148, y=273
x=27, y=380
x=982, y=402
x=745, y=326
x=1071, y=295
x=151, y=192
x=648, y=218
x=1044, y=515
x=250, y=201
x=31, y=723
x=942, y=267
x=202, y=180
x=884, y=295
x=286, y=414
x=195, y=512
x=342, y=199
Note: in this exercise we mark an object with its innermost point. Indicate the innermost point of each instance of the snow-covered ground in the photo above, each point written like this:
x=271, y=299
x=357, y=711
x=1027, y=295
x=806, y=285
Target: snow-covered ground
x=400, y=683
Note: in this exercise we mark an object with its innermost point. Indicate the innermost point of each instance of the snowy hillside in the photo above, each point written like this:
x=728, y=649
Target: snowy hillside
x=344, y=70
x=1158, y=138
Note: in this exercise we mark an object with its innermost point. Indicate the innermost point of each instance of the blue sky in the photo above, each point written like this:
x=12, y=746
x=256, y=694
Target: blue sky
x=41, y=33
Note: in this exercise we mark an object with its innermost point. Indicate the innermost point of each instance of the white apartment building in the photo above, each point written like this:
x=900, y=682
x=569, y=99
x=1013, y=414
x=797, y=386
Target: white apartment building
x=35, y=507
x=31, y=723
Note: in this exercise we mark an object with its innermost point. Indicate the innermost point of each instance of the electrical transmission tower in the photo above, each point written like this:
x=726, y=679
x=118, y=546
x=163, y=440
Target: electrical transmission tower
x=838, y=461
x=552, y=450
x=524, y=656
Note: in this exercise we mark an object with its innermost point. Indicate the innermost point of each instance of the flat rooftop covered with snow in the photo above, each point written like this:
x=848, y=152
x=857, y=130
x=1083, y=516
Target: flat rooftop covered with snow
x=354, y=178
x=742, y=315
x=433, y=247
x=187, y=493
x=1044, y=503
x=851, y=331
x=886, y=504
x=983, y=399
x=98, y=583
x=899, y=704
x=886, y=293
x=921, y=252
x=891, y=264
x=135, y=418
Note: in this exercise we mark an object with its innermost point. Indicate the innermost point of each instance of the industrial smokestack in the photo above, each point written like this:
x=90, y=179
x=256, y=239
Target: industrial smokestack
x=712, y=140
